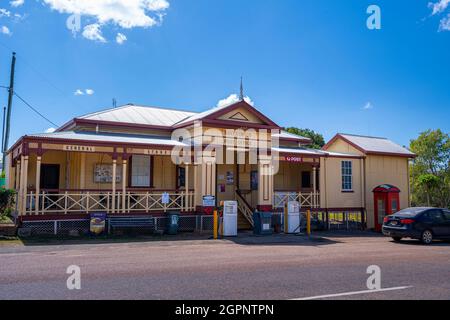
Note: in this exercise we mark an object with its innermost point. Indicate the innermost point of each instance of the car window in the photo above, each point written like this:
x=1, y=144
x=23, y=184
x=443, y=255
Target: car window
x=435, y=215
x=447, y=215
x=410, y=212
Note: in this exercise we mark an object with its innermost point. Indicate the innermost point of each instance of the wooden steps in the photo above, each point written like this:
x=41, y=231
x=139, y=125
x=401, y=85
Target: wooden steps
x=243, y=223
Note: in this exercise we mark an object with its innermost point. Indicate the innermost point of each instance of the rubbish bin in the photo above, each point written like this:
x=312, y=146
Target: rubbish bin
x=262, y=223
x=173, y=223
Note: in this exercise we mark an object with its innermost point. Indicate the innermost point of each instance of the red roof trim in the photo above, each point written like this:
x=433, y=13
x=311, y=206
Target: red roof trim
x=411, y=156
x=245, y=105
x=212, y=118
x=91, y=143
x=338, y=136
x=237, y=124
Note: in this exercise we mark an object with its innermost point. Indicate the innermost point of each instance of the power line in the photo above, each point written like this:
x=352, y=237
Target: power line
x=35, y=110
x=31, y=107
x=37, y=72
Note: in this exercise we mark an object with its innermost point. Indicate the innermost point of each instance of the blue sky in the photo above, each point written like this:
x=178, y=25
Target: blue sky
x=312, y=64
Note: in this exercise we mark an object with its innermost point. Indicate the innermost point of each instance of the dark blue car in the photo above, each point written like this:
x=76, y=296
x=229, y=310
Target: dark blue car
x=424, y=224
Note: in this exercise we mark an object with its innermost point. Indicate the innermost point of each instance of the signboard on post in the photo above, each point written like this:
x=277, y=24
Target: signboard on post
x=98, y=223
x=209, y=201
x=165, y=198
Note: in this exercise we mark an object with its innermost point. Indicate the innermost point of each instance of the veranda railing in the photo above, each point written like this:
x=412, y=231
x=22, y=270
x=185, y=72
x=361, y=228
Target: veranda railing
x=306, y=199
x=73, y=202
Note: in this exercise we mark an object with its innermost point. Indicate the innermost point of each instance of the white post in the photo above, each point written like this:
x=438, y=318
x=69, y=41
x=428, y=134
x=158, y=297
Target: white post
x=82, y=170
x=315, y=187
x=18, y=185
x=186, y=182
x=17, y=176
x=38, y=183
x=124, y=185
x=114, y=173
x=25, y=184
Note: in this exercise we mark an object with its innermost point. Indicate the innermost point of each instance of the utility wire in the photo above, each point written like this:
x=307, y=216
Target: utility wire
x=32, y=108
x=35, y=110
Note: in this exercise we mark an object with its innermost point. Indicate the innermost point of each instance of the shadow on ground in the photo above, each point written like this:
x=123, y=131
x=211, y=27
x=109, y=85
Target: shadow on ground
x=246, y=238
x=413, y=242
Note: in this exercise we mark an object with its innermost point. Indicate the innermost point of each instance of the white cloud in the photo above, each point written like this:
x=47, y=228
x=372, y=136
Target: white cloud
x=233, y=98
x=121, y=38
x=439, y=6
x=4, y=13
x=368, y=106
x=78, y=92
x=445, y=24
x=50, y=130
x=5, y=30
x=124, y=13
x=93, y=32
x=89, y=92
x=16, y=3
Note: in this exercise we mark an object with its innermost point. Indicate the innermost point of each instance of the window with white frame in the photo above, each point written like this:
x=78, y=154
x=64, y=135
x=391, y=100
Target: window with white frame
x=347, y=176
x=140, y=171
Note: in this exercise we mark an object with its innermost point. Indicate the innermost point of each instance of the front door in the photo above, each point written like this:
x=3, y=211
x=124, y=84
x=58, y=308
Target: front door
x=50, y=177
x=380, y=210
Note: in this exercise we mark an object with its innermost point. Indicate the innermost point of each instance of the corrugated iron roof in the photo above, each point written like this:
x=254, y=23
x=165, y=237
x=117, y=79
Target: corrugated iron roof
x=203, y=114
x=376, y=144
x=110, y=138
x=286, y=135
x=153, y=116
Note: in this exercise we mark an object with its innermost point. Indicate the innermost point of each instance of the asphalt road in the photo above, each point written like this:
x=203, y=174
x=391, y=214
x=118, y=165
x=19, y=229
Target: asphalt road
x=286, y=267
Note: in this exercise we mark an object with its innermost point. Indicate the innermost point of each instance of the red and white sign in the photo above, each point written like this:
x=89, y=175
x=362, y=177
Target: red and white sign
x=294, y=159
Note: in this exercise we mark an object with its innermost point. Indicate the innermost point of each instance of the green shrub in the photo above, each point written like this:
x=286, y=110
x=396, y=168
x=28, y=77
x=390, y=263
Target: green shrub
x=7, y=200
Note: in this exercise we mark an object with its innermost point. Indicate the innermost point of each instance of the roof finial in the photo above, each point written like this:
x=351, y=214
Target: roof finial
x=241, y=95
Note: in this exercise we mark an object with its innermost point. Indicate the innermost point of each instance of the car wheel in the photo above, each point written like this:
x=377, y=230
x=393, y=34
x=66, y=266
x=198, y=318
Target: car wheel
x=427, y=237
x=397, y=239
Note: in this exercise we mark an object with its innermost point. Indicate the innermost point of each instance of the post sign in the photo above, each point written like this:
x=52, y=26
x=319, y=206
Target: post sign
x=165, y=198
x=79, y=148
x=98, y=223
x=209, y=201
x=294, y=159
x=153, y=152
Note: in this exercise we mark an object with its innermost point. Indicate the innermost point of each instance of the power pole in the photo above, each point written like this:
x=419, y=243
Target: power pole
x=8, y=112
x=3, y=128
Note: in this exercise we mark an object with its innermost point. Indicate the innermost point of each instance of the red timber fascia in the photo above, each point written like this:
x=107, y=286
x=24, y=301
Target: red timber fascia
x=212, y=118
x=339, y=136
x=232, y=124
x=26, y=140
x=409, y=156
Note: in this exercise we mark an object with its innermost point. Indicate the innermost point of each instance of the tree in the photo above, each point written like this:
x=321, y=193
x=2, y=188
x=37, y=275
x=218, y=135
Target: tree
x=428, y=182
x=430, y=171
x=317, y=139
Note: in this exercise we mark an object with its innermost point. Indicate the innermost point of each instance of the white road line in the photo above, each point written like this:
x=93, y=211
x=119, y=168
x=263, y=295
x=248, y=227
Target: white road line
x=354, y=293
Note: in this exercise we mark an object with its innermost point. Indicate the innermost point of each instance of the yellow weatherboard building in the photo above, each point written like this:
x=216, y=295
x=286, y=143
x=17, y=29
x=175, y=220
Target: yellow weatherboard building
x=119, y=161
